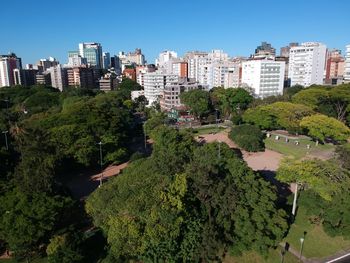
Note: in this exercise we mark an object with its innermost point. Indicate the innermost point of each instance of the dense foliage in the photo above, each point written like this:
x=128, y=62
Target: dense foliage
x=186, y=203
x=248, y=137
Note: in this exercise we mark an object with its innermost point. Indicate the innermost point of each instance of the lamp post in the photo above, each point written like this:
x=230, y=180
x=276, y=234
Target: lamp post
x=295, y=199
x=302, y=239
x=101, y=177
x=6, y=143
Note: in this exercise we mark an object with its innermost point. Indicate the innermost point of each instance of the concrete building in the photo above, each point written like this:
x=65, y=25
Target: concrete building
x=76, y=60
x=154, y=84
x=233, y=77
x=108, y=82
x=179, y=68
x=130, y=73
x=8, y=63
x=115, y=63
x=43, y=78
x=264, y=77
x=82, y=77
x=307, y=64
x=335, y=64
x=284, y=51
x=92, y=52
x=25, y=77
x=164, y=57
x=170, y=96
x=347, y=65
x=142, y=70
x=46, y=63
x=59, y=77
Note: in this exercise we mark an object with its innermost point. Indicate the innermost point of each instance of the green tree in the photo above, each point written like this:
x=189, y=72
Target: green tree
x=343, y=155
x=322, y=127
x=198, y=101
x=26, y=222
x=248, y=137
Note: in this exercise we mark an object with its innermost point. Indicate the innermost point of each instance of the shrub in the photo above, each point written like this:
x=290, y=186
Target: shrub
x=248, y=137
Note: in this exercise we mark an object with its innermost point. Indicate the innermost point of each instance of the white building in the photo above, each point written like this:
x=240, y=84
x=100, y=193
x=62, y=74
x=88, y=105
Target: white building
x=76, y=61
x=264, y=77
x=8, y=63
x=347, y=64
x=164, y=57
x=59, y=77
x=307, y=64
x=154, y=84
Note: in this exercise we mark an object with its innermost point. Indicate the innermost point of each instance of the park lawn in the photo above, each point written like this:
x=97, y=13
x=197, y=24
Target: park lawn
x=317, y=243
x=253, y=257
x=297, y=151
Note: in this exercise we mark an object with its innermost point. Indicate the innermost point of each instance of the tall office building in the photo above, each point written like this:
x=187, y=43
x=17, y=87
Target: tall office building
x=347, y=64
x=265, y=77
x=106, y=58
x=92, y=52
x=8, y=63
x=307, y=64
x=59, y=77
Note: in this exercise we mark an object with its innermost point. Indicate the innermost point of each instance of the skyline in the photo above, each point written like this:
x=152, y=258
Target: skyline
x=157, y=26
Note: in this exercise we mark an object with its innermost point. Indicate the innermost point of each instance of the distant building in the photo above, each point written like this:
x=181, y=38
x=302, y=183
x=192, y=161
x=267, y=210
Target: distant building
x=106, y=58
x=92, y=52
x=43, y=78
x=76, y=60
x=307, y=64
x=46, y=63
x=82, y=77
x=180, y=68
x=170, y=96
x=59, y=77
x=265, y=50
x=142, y=70
x=25, y=77
x=8, y=63
x=115, y=63
x=264, y=77
x=233, y=76
x=130, y=73
x=108, y=82
x=135, y=58
x=347, y=65
x=154, y=84
x=335, y=65
x=284, y=51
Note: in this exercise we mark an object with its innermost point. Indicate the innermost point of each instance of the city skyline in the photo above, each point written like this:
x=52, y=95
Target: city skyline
x=157, y=26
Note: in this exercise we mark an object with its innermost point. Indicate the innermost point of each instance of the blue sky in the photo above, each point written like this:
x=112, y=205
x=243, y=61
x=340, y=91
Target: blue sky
x=38, y=29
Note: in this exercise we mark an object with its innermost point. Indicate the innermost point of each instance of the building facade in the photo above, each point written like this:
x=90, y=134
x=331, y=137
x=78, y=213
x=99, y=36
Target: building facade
x=82, y=77
x=334, y=67
x=8, y=63
x=25, y=77
x=92, y=52
x=59, y=77
x=347, y=64
x=154, y=84
x=307, y=64
x=263, y=77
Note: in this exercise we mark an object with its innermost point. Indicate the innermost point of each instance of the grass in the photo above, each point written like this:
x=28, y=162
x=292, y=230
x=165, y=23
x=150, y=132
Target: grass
x=317, y=243
x=298, y=151
x=253, y=257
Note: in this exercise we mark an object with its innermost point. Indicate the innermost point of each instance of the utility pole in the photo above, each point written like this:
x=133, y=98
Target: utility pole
x=6, y=143
x=101, y=177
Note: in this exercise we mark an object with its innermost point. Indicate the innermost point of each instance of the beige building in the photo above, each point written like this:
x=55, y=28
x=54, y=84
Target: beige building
x=335, y=66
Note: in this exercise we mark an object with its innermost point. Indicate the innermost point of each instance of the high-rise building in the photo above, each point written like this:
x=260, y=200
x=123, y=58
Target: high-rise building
x=334, y=67
x=115, y=63
x=25, y=77
x=154, y=84
x=179, y=68
x=142, y=70
x=108, y=82
x=43, y=78
x=75, y=59
x=46, y=63
x=284, y=51
x=59, y=77
x=92, y=52
x=264, y=77
x=233, y=77
x=265, y=50
x=307, y=64
x=82, y=77
x=347, y=64
x=8, y=63
x=106, y=58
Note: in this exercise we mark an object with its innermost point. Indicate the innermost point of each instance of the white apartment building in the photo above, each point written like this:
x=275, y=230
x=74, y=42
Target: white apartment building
x=154, y=84
x=264, y=77
x=307, y=64
x=8, y=63
x=347, y=64
x=59, y=77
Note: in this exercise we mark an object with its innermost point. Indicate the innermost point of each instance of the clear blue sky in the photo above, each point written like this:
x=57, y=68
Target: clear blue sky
x=38, y=29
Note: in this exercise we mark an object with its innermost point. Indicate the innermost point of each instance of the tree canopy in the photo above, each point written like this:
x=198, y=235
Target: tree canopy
x=197, y=100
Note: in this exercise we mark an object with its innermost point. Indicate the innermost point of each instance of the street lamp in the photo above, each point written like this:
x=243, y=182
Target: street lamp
x=6, y=143
x=295, y=199
x=101, y=177
x=302, y=239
